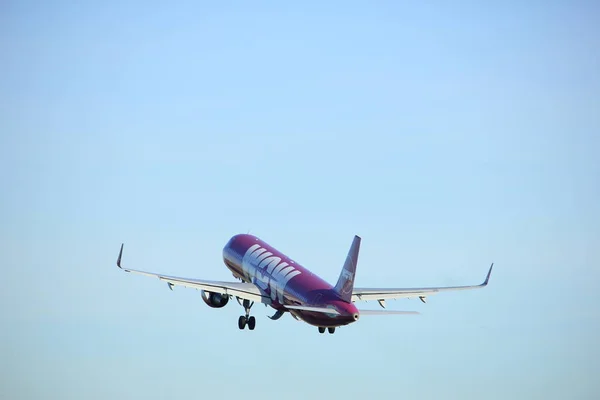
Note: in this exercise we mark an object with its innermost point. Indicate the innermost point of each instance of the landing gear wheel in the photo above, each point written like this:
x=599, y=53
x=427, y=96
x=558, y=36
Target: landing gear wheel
x=321, y=329
x=246, y=319
x=331, y=329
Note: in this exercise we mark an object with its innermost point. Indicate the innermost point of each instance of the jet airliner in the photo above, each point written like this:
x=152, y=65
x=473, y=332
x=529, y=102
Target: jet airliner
x=268, y=276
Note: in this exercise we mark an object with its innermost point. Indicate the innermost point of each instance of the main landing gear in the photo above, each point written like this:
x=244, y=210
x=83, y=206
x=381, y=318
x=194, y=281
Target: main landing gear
x=330, y=329
x=243, y=321
x=246, y=319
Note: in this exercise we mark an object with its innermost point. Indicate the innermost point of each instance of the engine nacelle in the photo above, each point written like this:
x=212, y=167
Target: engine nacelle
x=215, y=300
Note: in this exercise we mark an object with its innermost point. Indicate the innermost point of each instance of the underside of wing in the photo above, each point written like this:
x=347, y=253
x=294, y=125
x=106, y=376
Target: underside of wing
x=243, y=290
x=399, y=293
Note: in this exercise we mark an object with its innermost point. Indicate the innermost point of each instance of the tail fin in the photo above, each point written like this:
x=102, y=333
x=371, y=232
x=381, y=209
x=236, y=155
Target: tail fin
x=345, y=282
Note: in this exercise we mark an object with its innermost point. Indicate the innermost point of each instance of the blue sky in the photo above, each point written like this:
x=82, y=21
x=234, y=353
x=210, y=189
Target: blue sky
x=447, y=136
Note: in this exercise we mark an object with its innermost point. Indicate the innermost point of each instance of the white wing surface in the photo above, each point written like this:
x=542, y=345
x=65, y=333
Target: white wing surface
x=243, y=290
x=400, y=293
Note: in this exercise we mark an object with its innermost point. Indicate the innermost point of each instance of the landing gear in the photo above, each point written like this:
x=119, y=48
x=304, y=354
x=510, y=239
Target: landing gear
x=246, y=319
x=330, y=329
x=243, y=321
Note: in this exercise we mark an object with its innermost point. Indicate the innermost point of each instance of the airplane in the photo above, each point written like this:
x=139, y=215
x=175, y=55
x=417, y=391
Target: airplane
x=268, y=276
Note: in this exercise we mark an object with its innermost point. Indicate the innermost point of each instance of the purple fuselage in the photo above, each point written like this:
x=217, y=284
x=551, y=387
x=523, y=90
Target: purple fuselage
x=282, y=281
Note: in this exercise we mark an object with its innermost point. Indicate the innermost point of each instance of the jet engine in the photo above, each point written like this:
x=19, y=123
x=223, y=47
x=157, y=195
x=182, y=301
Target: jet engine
x=215, y=300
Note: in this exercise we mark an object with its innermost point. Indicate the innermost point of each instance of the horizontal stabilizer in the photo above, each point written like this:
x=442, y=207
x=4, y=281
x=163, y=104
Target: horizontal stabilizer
x=323, y=310
x=387, y=312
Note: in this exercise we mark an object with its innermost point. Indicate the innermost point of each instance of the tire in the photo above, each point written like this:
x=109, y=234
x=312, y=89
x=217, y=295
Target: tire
x=242, y=322
x=321, y=329
x=251, y=323
x=331, y=329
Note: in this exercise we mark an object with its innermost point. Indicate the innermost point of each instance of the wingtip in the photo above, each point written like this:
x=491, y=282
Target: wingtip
x=487, y=278
x=120, y=255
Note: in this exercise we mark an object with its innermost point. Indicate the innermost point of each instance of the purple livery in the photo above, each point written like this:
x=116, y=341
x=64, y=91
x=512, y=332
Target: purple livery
x=270, y=277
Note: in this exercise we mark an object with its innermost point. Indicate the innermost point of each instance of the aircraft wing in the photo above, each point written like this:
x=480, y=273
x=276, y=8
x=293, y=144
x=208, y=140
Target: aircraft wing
x=243, y=290
x=399, y=293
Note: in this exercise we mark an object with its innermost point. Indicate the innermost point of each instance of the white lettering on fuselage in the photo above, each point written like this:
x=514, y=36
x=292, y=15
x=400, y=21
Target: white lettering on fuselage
x=267, y=271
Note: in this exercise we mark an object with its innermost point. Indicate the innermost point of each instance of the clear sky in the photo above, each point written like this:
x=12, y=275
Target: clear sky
x=447, y=135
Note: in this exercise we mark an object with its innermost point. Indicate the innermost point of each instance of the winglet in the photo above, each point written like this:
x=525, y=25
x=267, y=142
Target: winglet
x=487, y=278
x=120, y=255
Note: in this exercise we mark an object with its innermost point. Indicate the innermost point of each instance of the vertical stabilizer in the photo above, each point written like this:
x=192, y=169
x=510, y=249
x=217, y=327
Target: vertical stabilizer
x=345, y=282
